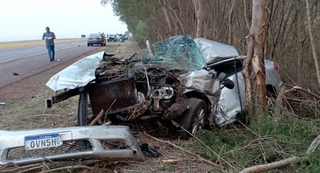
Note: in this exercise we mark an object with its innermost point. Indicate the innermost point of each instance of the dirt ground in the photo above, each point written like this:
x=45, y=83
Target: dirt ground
x=25, y=109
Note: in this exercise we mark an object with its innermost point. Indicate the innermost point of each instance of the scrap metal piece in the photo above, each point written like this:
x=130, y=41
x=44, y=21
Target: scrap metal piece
x=162, y=93
x=77, y=142
x=2, y=103
x=174, y=111
x=78, y=74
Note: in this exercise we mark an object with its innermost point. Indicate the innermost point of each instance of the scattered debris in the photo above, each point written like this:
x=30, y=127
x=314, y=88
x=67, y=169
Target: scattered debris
x=15, y=74
x=112, y=143
x=189, y=152
x=3, y=103
x=149, y=151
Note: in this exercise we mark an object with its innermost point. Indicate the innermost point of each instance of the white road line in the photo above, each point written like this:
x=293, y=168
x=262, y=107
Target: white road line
x=9, y=60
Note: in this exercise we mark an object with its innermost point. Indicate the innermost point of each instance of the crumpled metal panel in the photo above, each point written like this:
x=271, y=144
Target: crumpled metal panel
x=77, y=74
x=214, y=51
x=95, y=135
x=272, y=75
x=229, y=102
x=202, y=81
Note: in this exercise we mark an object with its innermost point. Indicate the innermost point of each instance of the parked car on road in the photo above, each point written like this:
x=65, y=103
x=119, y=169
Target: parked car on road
x=96, y=38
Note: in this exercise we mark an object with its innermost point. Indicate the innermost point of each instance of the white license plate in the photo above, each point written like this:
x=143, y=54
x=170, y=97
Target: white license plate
x=42, y=141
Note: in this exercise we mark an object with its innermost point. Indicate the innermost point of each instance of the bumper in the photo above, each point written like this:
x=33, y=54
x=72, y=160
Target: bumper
x=78, y=142
x=95, y=42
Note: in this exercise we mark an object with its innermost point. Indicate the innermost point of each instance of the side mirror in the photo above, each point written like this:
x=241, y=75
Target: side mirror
x=222, y=76
x=228, y=83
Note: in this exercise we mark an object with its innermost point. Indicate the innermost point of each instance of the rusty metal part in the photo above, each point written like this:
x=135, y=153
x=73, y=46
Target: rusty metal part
x=134, y=113
x=102, y=95
x=61, y=97
x=174, y=111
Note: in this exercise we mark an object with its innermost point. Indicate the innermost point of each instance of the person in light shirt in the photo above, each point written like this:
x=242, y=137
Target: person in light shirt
x=49, y=37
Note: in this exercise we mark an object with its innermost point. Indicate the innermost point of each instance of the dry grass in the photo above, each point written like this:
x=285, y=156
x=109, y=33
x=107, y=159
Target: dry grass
x=18, y=44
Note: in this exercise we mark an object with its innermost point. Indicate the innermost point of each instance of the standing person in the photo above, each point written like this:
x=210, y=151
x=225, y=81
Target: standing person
x=49, y=36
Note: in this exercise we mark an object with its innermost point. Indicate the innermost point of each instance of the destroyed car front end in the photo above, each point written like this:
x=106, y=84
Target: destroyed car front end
x=173, y=83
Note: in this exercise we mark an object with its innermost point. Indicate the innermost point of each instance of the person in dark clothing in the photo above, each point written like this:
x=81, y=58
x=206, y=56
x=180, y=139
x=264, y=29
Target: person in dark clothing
x=49, y=37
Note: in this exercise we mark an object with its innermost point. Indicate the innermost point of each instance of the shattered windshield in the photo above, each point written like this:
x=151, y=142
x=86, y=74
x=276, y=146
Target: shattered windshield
x=179, y=52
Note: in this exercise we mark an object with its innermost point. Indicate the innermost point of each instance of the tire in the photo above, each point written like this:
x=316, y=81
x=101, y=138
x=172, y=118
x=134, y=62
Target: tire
x=193, y=119
x=82, y=109
x=88, y=44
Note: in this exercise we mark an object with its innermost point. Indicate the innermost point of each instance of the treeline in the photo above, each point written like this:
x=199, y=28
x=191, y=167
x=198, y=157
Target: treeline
x=228, y=21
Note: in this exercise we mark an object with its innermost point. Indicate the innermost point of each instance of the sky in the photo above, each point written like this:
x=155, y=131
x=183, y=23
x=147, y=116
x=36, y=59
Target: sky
x=27, y=19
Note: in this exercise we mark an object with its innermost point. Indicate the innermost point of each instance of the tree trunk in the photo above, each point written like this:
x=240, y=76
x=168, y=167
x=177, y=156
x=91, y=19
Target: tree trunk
x=200, y=13
x=299, y=50
x=230, y=23
x=245, y=14
x=253, y=68
x=315, y=57
x=165, y=12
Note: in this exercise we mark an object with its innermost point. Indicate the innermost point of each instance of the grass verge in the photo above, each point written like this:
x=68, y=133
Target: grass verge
x=18, y=44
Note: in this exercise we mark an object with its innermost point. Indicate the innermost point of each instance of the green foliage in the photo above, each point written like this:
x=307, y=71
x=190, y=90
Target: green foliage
x=264, y=141
x=139, y=33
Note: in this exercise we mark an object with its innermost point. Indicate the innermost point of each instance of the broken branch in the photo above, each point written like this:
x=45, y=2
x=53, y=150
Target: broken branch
x=284, y=162
x=271, y=166
x=97, y=118
x=69, y=167
x=189, y=152
x=105, y=117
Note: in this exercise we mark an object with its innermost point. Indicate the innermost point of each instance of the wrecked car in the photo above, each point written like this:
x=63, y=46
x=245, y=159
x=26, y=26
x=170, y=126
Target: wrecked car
x=173, y=83
x=174, y=80
x=225, y=58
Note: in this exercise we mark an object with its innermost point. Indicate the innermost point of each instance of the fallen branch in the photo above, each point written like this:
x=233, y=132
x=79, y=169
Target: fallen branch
x=69, y=167
x=172, y=160
x=97, y=118
x=305, y=91
x=30, y=169
x=105, y=118
x=313, y=146
x=284, y=162
x=271, y=166
x=189, y=152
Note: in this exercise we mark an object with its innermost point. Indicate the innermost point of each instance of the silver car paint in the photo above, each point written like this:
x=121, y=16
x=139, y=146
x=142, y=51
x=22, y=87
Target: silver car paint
x=94, y=134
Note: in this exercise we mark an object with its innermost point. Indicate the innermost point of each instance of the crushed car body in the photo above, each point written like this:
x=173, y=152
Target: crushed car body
x=112, y=143
x=225, y=58
x=183, y=80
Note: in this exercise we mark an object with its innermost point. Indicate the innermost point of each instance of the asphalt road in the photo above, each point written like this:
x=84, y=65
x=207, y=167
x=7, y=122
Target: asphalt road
x=18, y=53
x=23, y=62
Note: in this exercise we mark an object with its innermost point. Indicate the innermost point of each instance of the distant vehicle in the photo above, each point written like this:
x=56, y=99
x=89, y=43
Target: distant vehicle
x=111, y=38
x=96, y=38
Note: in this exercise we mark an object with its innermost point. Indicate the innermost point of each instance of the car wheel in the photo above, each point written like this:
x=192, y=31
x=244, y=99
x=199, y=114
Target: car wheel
x=82, y=108
x=193, y=119
x=88, y=44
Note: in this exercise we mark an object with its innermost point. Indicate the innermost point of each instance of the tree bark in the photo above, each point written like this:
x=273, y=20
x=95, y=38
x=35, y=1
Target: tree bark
x=165, y=12
x=299, y=50
x=245, y=14
x=200, y=13
x=253, y=68
x=230, y=23
x=315, y=57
